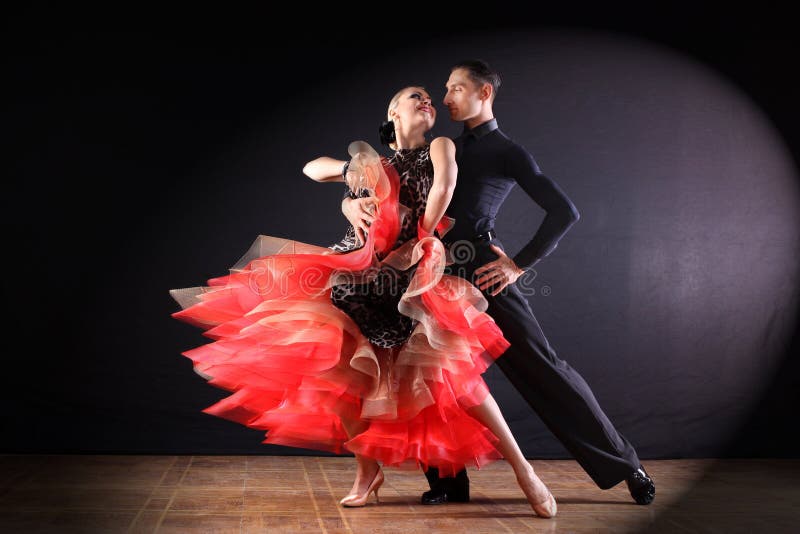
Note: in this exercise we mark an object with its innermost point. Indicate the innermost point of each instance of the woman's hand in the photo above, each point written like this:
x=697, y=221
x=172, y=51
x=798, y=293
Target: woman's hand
x=499, y=273
x=361, y=212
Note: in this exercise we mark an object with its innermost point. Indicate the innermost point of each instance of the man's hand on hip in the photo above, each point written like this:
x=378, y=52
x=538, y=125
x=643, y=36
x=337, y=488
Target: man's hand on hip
x=498, y=273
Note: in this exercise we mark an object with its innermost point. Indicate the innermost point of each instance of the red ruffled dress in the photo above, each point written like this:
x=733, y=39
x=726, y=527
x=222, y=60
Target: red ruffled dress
x=298, y=364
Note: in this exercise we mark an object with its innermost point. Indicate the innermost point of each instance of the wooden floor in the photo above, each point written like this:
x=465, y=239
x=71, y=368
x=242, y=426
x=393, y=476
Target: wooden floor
x=118, y=493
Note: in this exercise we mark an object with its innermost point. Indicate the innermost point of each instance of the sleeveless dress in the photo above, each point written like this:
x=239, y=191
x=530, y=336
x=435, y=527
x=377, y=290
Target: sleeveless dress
x=308, y=336
x=373, y=306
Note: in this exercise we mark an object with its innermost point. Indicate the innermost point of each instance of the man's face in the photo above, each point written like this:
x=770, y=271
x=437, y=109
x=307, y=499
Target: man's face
x=463, y=96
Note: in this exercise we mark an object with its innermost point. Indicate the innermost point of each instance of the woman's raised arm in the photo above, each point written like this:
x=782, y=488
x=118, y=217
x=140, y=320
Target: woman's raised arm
x=325, y=169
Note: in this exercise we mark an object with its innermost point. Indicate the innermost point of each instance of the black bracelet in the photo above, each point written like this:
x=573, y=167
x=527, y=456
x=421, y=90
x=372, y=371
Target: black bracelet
x=344, y=169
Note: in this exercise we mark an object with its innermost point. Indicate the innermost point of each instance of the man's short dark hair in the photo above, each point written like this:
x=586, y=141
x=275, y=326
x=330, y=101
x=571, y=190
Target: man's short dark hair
x=480, y=72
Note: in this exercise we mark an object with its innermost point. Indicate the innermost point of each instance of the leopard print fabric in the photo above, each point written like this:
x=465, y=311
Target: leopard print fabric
x=373, y=306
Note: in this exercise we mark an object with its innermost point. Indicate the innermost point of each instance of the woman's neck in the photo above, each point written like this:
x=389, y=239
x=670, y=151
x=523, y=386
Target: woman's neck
x=408, y=140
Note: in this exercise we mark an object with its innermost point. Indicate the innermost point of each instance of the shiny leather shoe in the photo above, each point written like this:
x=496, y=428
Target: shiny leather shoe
x=355, y=501
x=641, y=486
x=442, y=495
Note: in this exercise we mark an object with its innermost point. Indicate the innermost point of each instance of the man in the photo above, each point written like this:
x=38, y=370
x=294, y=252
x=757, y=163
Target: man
x=489, y=165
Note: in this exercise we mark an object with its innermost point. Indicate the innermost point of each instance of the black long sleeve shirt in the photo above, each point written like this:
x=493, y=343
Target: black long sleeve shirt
x=489, y=165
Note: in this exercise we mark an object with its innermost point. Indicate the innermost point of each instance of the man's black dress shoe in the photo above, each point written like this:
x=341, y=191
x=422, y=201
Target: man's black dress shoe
x=448, y=489
x=441, y=495
x=641, y=486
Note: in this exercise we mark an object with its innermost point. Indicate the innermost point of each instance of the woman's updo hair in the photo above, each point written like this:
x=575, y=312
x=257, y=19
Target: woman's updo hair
x=386, y=132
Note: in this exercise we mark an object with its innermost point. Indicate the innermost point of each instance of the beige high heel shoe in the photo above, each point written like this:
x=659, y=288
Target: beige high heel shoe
x=546, y=508
x=546, y=511
x=353, y=501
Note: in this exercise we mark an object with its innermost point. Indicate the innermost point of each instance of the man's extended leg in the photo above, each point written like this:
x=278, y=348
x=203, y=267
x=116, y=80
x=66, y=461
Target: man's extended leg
x=557, y=393
x=563, y=399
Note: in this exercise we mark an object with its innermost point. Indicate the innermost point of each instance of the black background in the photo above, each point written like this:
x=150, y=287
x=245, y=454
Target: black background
x=113, y=115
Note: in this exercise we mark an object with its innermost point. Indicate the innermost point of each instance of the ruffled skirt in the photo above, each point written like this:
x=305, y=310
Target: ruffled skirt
x=300, y=368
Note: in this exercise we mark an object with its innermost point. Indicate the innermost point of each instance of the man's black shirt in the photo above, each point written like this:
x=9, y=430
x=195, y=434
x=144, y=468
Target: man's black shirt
x=489, y=165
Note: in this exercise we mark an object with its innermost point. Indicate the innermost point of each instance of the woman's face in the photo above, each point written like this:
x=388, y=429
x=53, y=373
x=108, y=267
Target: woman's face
x=413, y=107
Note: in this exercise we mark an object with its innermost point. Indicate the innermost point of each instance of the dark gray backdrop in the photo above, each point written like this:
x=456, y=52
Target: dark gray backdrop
x=148, y=155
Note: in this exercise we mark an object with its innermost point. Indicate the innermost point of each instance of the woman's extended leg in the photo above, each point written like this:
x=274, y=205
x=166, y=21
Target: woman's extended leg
x=488, y=413
x=369, y=476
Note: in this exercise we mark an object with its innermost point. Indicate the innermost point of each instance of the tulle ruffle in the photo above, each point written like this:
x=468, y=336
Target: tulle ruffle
x=298, y=366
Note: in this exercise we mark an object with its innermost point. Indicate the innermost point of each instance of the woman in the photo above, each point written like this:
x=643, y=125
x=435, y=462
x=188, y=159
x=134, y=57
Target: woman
x=370, y=349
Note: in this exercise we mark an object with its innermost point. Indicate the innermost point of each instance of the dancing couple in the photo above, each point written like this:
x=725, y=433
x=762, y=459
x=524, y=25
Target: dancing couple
x=376, y=345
